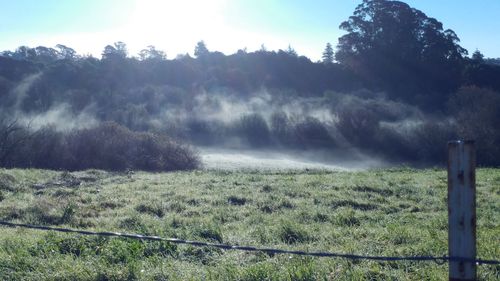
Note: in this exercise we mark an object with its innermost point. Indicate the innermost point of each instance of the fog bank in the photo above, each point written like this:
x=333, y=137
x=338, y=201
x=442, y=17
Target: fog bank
x=233, y=160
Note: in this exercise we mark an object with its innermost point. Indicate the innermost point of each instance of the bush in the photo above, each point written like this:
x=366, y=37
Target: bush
x=45, y=149
x=430, y=139
x=281, y=128
x=12, y=137
x=113, y=147
x=357, y=125
x=253, y=128
x=312, y=133
x=109, y=147
x=477, y=113
x=205, y=132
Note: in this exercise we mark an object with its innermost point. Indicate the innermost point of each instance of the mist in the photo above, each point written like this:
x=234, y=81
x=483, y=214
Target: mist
x=275, y=160
x=60, y=117
x=262, y=109
x=20, y=91
x=263, y=130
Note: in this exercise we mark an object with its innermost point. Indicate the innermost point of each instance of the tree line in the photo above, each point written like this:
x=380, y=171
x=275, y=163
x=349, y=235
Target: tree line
x=390, y=52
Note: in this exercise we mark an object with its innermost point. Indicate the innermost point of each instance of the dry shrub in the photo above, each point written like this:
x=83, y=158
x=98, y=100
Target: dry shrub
x=109, y=147
x=477, y=113
x=311, y=133
x=114, y=147
x=253, y=129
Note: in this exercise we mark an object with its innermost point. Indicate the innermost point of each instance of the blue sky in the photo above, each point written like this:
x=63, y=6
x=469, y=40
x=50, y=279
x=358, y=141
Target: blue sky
x=225, y=25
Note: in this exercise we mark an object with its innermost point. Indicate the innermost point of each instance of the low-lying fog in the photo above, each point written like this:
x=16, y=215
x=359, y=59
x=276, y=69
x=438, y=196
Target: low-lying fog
x=263, y=130
x=233, y=159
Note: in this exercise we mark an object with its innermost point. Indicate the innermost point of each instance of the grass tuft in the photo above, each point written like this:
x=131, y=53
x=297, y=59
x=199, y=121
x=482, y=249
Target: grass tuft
x=154, y=209
x=7, y=182
x=235, y=200
x=292, y=233
x=210, y=232
x=346, y=218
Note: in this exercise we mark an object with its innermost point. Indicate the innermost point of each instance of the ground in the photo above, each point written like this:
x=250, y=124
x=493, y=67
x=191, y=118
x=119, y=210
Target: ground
x=376, y=212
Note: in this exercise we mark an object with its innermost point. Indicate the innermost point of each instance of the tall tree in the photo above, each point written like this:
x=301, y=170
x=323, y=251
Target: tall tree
x=24, y=53
x=400, y=49
x=117, y=51
x=201, y=49
x=328, y=54
x=291, y=51
x=151, y=53
x=46, y=55
x=66, y=52
x=478, y=57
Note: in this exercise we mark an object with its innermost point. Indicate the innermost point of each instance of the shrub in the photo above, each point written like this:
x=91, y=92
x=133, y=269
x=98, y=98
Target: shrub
x=281, y=128
x=357, y=125
x=477, y=112
x=109, y=147
x=310, y=132
x=204, y=132
x=429, y=141
x=46, y=149
x=253, y=128
x=12, y=138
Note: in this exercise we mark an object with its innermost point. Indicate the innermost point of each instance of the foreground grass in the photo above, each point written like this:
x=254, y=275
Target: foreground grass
x=380, y=212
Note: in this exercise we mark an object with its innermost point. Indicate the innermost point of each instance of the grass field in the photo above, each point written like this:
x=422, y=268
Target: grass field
x=377, y=212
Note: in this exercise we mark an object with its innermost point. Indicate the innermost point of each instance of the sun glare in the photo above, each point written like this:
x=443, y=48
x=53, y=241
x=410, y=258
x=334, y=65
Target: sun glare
x=177, y=25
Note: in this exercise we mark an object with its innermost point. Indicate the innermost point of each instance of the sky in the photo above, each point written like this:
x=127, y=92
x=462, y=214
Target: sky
x=175, y=26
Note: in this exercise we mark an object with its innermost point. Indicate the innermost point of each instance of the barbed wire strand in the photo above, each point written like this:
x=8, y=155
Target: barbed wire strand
x=439, y=260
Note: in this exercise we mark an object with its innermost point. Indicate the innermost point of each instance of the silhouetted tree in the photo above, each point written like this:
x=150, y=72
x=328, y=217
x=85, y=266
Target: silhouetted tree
x=200, y=50
x=24, y=53
x=328, y=54
x=117, y=51
x=46, y=55
x=478, y=57
x=400, y=49
x=66, y=52
x=151, y=53
x=493, y=61
x=481, y=72
x=12, y=137
x=477, y=112
x=291, y=51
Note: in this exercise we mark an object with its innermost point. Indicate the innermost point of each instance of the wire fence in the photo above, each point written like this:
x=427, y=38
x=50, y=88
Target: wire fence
x=438, y=260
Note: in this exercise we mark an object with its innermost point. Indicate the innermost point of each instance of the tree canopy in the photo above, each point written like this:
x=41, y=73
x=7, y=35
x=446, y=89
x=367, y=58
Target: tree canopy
x=397, y=47
x=328, y=55
x=201, y=49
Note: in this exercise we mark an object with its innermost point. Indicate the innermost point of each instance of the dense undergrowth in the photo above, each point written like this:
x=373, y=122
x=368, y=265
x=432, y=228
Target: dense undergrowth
x=108, y=146
x=378, y=212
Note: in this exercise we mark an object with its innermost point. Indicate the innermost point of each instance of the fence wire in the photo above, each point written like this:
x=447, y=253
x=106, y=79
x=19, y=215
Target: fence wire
x=439, y=260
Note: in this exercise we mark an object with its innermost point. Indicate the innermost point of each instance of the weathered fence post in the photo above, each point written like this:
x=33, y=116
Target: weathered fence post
x=462, y=209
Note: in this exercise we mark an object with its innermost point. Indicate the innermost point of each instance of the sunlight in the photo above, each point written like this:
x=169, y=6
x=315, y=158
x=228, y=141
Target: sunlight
x=177, y=25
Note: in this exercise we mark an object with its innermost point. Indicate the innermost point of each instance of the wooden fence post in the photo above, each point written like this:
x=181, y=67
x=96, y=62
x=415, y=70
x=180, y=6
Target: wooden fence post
x=462, y=209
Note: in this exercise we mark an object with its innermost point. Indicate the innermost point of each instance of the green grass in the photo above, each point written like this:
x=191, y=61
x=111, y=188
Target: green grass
x=379, y=212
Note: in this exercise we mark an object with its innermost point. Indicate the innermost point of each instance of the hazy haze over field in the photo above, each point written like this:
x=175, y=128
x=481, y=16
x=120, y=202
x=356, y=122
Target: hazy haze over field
x=272, y=160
